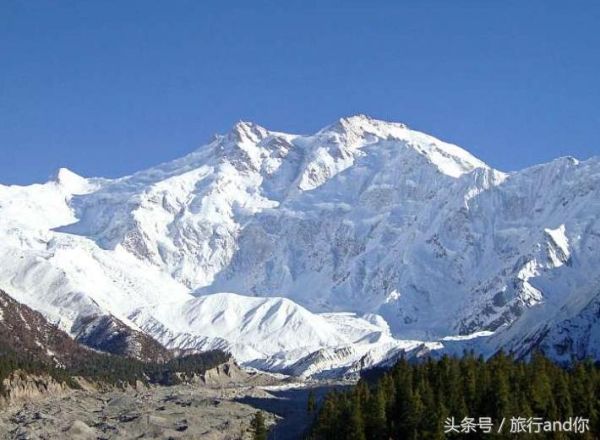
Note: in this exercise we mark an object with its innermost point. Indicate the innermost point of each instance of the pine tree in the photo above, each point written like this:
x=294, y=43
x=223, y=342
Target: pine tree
x=375, y=419
x=328, y=417
x=541, y=388
x=350, y=424
x=259, y=431
x=416, y=413
x=311, y=405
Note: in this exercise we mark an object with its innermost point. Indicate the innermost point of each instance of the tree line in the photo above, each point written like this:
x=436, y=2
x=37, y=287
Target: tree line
x=12, y=361
x=465, y=397
x=109, y=369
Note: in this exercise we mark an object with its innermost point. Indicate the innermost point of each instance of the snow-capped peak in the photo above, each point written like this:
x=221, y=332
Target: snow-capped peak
x=381, y=144
x=364, y=216
x=243, y=132
x=71, y=182
x=360, y=124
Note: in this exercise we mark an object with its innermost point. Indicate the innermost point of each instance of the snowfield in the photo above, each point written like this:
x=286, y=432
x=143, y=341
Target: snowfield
x=320, y=254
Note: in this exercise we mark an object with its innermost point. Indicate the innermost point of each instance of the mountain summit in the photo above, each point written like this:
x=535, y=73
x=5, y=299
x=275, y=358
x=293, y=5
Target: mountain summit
x=391, y=235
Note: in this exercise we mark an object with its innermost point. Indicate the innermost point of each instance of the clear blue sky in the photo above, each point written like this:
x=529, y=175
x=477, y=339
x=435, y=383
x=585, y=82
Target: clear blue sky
x=109, y=87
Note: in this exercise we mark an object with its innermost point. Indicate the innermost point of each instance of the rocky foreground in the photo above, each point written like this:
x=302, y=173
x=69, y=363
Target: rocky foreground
x=179, y=412
x=209, y=408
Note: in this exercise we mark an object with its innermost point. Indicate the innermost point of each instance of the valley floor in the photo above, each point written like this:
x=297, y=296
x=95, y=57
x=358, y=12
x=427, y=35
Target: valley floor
x=177, y=412
x=290, y=404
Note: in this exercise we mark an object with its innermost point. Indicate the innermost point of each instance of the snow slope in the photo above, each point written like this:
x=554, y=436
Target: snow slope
x=275, y=334
x=340, y=249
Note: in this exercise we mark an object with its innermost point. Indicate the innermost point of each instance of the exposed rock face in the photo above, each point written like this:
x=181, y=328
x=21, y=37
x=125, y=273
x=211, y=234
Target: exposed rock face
x=107, y=333
x=227, y=373
x=21, y=387
x=24, y=330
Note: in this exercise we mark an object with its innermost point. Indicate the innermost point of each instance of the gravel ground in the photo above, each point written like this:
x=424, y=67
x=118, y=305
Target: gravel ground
x=177, y=412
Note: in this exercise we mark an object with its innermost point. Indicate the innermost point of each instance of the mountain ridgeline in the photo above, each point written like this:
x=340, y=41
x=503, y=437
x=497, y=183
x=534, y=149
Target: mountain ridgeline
x=31, y=345
x=319, y=254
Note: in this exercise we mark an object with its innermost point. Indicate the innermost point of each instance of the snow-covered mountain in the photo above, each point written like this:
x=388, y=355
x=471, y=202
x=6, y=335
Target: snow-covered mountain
x=337, y=250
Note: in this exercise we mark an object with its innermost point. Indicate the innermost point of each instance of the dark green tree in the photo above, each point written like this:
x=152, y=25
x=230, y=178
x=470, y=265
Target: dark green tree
x=311, y=405
x=375, y=418
x=412, y=401
x=257, y=427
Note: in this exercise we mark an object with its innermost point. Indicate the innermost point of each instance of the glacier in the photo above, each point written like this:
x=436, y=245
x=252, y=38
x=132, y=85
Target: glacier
x=318, y=254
